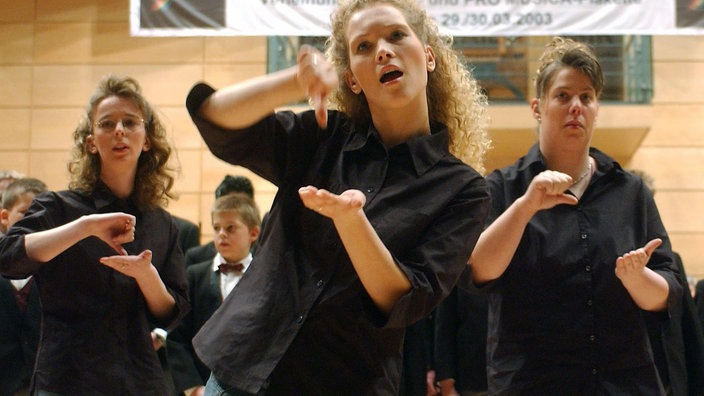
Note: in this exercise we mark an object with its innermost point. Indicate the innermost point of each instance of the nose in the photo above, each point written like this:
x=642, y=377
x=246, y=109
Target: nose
x=383, y=51
x=575, y=106
x=120, y=128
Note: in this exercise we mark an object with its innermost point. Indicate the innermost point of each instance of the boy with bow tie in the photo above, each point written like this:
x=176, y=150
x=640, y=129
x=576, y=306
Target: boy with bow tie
x=236, y=223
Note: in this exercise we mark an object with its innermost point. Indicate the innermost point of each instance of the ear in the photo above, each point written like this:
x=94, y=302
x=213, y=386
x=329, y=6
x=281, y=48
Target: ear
x=535, y=108
x=254, y=234
x=352, y=83
x=147, y=145
x=429, y=58
x=5, y=219
x=90, y=144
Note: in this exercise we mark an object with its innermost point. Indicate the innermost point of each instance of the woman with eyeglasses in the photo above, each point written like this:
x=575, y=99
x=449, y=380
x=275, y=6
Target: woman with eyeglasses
x=104, y=253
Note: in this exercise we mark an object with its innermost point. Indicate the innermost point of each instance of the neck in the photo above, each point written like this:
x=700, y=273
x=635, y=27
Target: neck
x=120, y=184
x=397, y=125
x=584, y=174
x=571, y=163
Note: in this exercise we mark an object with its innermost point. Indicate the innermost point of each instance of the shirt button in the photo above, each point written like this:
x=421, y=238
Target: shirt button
x=589, y=302
x=583, y=236
x=592, y=337
x=370, y=190
x=299, y=319
x=588, y=268
x=320, y=283
x=594, y=371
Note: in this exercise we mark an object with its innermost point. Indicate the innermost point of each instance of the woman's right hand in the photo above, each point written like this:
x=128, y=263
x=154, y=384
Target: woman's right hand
x=547, y=190
x=318, y=78
x=114, y=229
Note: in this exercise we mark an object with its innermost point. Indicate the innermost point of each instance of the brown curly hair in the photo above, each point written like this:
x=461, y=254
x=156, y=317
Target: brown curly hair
x=454, y=96
x=154, y=175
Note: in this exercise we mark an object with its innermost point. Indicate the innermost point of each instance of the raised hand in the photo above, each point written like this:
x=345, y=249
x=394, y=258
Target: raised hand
x=632, y=263
x=318, y=78
x=114, y=229
x=332, y=205
x=131, y=266
x=547, y=190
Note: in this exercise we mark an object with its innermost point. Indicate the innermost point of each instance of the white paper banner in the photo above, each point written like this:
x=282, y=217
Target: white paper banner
x=457, y=17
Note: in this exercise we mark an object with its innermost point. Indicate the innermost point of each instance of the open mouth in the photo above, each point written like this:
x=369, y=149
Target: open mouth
x=391, y=76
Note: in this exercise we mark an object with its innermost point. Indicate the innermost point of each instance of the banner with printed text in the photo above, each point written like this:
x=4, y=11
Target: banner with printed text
x=457, y=17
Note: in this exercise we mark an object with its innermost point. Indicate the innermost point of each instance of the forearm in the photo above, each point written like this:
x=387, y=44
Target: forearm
x=159, y=302
x=243, y=104
x=376, y=268
x=45, y=245
x=497, y=244
x=648, y=291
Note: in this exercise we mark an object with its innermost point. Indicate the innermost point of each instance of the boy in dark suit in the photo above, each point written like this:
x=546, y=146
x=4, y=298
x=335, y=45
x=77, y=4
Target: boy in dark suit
x=236, y=222
x=20, y=313
x=230, y=184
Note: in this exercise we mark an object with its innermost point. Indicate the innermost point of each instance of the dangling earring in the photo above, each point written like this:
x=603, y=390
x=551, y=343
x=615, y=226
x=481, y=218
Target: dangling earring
x=539, y=119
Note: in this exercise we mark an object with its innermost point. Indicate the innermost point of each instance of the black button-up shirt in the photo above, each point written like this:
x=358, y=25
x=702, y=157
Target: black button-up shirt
x=95, y=331
x=300, y=320
x=559, y=319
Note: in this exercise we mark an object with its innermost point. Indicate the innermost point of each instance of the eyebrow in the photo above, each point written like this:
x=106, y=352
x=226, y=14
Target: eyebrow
x=133, y=115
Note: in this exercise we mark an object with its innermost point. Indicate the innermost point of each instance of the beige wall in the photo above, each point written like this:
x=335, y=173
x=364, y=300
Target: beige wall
x=52, y=52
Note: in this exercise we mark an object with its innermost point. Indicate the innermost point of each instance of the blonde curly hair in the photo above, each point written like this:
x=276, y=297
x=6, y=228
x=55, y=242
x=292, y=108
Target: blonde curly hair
x=455, y=98
x=154, y=176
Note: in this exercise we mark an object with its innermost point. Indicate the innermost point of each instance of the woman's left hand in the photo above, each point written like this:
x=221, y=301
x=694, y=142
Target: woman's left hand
x=632, y=263
x=131, y=265
x=332, y=205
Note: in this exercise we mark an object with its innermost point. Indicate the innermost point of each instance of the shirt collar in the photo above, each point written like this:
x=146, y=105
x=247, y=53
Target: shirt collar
x=105, y=198
x=218, y=259
x=534, y=159
x=425, y=151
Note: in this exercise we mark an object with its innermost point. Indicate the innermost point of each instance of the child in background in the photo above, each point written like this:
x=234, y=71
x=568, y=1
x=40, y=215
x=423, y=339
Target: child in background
x=16, y=199
x=19, y=300
x=236, y=223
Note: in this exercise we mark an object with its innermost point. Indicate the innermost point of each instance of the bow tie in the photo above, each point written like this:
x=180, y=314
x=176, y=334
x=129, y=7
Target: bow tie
x=227, y=268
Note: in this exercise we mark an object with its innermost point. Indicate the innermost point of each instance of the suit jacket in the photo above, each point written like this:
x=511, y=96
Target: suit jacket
x=19, y=337
x=204, y=292
x=200, y=253
x=678, y=343
x=460, y=340
x=699, y=301
x=188, y=233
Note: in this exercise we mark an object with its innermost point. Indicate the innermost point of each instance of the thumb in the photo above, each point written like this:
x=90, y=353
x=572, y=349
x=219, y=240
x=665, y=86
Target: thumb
x=118, y=248
x=321, y=111
x=652, y=245
x=566, y=199
x=146, y=255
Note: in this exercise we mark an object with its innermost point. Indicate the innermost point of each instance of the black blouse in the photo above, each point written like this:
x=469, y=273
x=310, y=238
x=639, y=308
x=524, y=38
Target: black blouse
x=95, y=332
x=300, y=319
x=559, y=318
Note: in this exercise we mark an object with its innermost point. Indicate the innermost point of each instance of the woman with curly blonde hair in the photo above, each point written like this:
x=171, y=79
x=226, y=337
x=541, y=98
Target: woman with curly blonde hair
x=374, y=218
x=98, y=306
x=454, y=96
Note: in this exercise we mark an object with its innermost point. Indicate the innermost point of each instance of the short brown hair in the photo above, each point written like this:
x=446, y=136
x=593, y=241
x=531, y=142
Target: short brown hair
x=564, y=52
x=245, y=207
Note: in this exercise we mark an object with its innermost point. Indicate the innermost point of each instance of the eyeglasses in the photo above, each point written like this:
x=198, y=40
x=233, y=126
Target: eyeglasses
x=129, y=124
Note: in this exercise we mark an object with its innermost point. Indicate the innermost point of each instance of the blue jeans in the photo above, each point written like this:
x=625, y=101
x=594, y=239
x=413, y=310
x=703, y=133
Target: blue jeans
x=214, y=388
